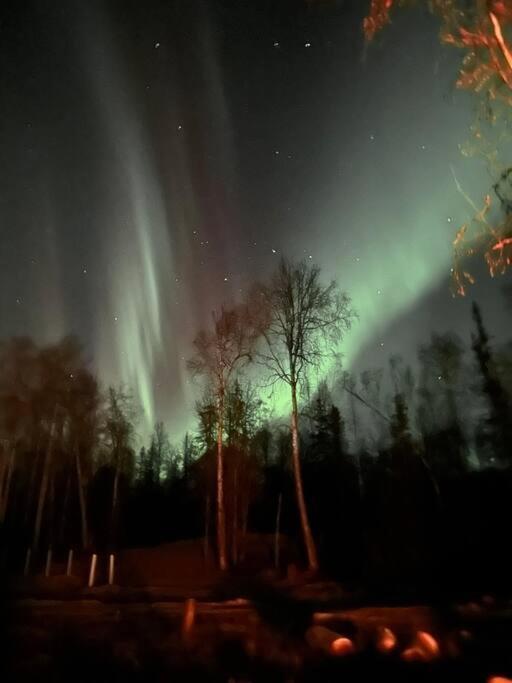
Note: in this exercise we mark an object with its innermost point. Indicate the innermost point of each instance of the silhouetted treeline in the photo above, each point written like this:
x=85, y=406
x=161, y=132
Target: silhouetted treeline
x=407, y=472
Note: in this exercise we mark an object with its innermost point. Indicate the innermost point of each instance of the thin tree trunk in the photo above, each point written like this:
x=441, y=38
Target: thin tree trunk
x=278, y=526
x=81, y=500
x=221, y=512
x=354, y=419
x=309, y=541
x=51, y=508
x=7, y=486
x=3, y=469
x=245, y=522
x=43, y=488
x=235, y=516
x=206, y=527
x=115, y=490
x=360, y=481
x=32, y=484
x=64, y=514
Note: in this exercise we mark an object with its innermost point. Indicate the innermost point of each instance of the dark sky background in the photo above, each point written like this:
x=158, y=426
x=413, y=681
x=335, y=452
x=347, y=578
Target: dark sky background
x=157, y=156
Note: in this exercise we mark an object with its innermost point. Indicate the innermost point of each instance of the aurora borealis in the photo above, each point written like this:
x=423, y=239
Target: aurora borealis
x=158, y=156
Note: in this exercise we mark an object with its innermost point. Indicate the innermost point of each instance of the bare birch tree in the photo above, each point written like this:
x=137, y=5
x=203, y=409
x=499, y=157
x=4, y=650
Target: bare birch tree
x=302, y=322
x=120, y=414
x=219, y=353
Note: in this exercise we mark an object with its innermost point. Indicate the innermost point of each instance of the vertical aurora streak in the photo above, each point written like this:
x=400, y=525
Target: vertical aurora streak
x=137, y=251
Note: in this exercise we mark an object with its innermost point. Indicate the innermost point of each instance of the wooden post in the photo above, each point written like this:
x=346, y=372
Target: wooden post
x=48, y=562
x=189, y=617
x=111, y=569
x=69, y=566
x=92, y=571
x=27, y=562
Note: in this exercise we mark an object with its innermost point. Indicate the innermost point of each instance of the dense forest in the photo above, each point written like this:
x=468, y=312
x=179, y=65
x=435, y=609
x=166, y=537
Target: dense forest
x=398, y=477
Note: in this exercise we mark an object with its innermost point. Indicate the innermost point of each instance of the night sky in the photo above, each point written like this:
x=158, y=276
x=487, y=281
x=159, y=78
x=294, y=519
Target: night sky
x=157, y=156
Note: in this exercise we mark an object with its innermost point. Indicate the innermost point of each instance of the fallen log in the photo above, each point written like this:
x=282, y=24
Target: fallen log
x=424, y=648
x=332, y=643
x=386, y=640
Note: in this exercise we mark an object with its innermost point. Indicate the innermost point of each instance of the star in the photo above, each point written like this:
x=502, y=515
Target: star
x=116, y=318
x=157, y=45
x=276, y=43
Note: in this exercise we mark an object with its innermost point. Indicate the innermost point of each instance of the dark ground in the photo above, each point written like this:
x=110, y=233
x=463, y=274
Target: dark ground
x=245, y=629
x=109, y=638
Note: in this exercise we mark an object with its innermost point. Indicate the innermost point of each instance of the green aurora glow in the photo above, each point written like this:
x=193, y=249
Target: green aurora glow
x=205, y=154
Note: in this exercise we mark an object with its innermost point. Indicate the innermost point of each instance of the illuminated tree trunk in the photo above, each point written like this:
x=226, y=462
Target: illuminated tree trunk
x=221, y=512
x=81, y=500
x=309, y=541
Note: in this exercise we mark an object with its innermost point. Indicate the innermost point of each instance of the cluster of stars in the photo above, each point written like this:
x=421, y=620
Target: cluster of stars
x=278, y=44
x=372, y=138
